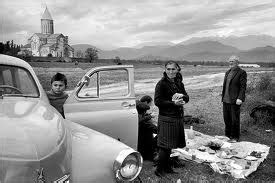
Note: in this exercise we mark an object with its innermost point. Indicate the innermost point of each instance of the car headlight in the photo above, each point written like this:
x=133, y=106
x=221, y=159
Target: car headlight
x=64, y=179
x=127, y=165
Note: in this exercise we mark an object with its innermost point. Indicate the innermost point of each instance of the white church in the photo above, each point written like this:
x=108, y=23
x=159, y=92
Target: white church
x=47, y=42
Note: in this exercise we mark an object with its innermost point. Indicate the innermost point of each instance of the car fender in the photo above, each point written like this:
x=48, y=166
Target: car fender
x=93, y=154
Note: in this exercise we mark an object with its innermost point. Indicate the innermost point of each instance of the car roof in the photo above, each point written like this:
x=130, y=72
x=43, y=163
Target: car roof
x=9, y=60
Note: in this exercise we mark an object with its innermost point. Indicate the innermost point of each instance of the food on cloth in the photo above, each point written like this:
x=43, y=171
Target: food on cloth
x=224, y=166
x=224, y=154
x=202, y=148
x=230, y=152
x=215, y=144
x=233, y=152
x=224, y=138
x=210, y=151
x=256, y=154
x=251, y=158
x=236, y=166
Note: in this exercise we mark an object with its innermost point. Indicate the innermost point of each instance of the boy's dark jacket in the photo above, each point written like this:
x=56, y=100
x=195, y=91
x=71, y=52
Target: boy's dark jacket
x=57, y=101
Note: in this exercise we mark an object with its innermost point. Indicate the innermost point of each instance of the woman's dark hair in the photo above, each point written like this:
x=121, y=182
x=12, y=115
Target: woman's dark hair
x=59, y=77
x=146, y=98
x=172, y=62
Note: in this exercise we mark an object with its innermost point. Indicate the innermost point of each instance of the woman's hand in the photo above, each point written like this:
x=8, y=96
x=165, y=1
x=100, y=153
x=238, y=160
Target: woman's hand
x=177, y=96
x=179, y=102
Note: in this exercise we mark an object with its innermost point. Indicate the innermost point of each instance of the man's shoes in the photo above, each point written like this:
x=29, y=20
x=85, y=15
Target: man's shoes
x=159, y=173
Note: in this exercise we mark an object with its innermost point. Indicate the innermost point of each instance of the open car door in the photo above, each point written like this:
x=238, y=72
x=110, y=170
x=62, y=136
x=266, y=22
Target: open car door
x=104, y=100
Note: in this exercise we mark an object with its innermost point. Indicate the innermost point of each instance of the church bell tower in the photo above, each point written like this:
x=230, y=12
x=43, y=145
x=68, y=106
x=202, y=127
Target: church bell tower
x=47, y=23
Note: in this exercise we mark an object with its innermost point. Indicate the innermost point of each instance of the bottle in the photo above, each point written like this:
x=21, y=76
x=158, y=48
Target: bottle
x=191, y=134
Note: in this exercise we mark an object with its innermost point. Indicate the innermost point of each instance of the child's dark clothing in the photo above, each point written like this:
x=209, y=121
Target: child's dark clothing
x=57, y=101
x=146, y=128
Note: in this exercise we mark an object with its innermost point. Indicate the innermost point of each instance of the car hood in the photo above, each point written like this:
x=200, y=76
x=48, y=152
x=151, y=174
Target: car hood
x=30, y=129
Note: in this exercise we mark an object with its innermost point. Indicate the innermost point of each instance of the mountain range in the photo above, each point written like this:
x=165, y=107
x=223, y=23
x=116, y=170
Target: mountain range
x=257, y=48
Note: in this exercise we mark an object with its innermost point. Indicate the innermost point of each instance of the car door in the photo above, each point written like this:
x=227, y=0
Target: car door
x=104, y=100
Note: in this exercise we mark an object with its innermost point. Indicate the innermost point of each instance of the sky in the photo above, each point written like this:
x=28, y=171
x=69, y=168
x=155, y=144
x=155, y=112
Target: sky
x=109, y=24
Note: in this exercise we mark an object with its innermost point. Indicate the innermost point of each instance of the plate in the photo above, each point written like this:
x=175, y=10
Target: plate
x=251, y=158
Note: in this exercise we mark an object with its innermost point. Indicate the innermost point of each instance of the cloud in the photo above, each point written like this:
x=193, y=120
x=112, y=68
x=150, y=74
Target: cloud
x=187, y=22
x=129, y=22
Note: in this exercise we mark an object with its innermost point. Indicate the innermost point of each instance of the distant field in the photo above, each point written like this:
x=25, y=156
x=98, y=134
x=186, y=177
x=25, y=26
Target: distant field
x=45, y=70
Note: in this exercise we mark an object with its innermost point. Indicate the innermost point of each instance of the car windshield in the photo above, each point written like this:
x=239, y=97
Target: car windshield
x=17, y=81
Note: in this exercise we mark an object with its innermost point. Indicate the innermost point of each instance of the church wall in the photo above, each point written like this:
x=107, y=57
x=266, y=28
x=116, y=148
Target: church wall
x=44, y=51
x=51, y=41
x=35, y=44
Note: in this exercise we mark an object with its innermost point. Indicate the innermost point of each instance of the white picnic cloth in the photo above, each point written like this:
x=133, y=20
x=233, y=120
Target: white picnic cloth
x=239, y=164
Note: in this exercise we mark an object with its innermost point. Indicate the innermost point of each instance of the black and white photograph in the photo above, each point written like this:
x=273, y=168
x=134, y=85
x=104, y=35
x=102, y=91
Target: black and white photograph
x=137, y=91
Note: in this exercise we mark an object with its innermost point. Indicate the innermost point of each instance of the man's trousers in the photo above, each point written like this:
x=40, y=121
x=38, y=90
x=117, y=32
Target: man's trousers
x=231, y=116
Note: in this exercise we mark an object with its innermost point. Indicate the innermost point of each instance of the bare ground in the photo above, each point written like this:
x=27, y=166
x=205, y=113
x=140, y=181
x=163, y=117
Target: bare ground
x=205, y=103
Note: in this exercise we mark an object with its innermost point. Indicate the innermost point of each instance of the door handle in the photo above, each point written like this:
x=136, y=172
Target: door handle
x=127, y=104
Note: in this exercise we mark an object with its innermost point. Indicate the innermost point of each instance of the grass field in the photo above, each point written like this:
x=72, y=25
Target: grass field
x=204, y=103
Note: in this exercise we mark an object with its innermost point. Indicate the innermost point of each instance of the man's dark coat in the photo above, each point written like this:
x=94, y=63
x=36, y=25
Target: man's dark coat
x=237, y=85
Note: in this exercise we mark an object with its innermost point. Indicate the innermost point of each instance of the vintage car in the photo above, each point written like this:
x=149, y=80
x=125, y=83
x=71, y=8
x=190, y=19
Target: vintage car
x=38, y=145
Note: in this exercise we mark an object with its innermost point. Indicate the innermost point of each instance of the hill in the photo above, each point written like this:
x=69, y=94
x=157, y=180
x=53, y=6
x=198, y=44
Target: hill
x=260, y=54
x=82, y=47
x=164, y=44
x=172, y=52
x=241, y=42
x=179, y=51
x=131, y=53
x=197, y=51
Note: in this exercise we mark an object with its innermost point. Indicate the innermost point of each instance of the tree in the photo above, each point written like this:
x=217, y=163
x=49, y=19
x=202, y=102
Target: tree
x=2, y=47
x=79, y=54
x=91, y=54
x=9, y=48
x=117, y=60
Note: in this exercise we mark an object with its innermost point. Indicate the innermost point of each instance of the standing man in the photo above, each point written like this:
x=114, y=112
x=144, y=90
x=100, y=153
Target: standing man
x=233, y=95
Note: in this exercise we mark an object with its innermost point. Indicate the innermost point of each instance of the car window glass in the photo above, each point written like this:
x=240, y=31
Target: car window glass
x=90, y=90
x=17, y=80
x=28, y=85
x=107, y=84
x=7, y=78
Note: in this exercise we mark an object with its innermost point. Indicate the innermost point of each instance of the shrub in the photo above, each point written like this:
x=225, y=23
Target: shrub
x=260, y=89
x=259, y=83
x=264, y=83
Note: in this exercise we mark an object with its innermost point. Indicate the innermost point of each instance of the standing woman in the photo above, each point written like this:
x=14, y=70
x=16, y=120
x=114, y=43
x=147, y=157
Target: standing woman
x=170, y=96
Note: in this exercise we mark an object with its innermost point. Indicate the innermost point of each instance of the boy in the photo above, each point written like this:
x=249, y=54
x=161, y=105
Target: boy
x=57, y=95
x=146, y=128
x=146, y=99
